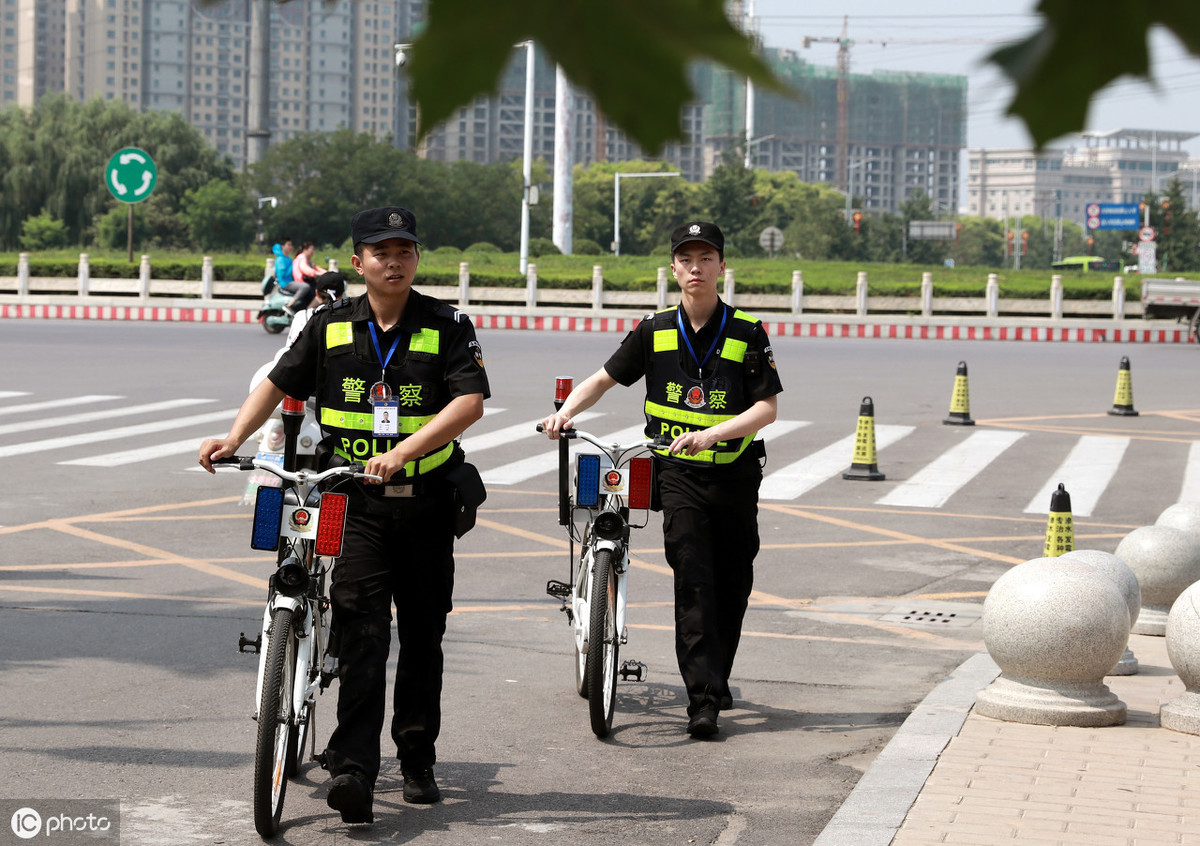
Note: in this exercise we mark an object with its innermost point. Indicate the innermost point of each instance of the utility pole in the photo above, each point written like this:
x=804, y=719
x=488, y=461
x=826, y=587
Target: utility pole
x=258, y=132
x=750, y=92
x=564, y=162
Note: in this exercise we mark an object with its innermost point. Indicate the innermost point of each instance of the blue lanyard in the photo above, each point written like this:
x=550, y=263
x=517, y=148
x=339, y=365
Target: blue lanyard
x=375, y=341
x=687, y=343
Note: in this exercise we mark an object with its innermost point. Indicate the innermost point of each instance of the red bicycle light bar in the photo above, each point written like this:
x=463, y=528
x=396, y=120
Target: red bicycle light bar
x=562, y=388
x=330, y=525
x=291, y=405
x=641, y=472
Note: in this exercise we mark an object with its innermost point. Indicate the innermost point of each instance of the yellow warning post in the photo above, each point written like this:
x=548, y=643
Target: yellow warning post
x=1060, y=527
x=960, y=400
x=1123, y=399
x=864, y=467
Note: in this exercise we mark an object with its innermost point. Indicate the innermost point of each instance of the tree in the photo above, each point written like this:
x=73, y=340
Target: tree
x=219, y=216
x=1177, y=235
x=43, y=232
x=730, y=199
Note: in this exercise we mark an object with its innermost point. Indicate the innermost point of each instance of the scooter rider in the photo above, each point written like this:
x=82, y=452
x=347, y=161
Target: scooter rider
x=330, y=287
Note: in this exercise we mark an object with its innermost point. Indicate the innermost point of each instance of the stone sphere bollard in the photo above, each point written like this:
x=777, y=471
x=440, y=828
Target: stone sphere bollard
x=1183, y=648
x=1055, y=627
x=1166, y=561
x=1182, y=515
x=1127, y=583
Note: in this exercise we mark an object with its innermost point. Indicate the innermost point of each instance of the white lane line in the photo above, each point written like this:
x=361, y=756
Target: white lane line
x=115, y=434
x=477, y=443
x=810, y=471
x=1191, y=475
x=939, y=480
x=8, y=394
x=77, y=402
x=92, y=416
x=1085, y=473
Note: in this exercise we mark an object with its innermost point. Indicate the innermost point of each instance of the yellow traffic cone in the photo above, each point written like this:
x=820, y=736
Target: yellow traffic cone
x=960, y=400
x=1060, y=527
x=863, y=467
x=1123, y=400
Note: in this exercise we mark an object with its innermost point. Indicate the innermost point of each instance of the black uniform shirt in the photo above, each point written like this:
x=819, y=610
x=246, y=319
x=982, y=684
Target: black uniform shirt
x=296, y=371
x=632, y=359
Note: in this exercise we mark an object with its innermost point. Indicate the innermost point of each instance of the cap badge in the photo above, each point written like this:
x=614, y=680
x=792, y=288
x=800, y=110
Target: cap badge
x=396, y=220
x=694, y=229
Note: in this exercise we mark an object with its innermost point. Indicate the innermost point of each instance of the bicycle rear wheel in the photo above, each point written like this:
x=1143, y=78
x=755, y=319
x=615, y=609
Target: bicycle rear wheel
x=275, y=735
x=603, y=645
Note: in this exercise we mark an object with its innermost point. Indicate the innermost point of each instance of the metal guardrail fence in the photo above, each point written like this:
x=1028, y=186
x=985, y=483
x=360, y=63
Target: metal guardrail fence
x=146, y=290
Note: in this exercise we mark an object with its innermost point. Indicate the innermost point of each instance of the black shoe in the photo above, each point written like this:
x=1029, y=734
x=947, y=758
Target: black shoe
x=703, y=723
x=420, y=788
x=726, y=703
x=351, y=795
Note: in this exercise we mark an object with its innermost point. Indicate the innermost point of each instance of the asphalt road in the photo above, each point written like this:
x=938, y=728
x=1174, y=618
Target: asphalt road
x=123, y=589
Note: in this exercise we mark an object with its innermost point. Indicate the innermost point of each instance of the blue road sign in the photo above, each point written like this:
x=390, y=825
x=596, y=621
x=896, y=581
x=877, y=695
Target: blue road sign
x=1113, y=216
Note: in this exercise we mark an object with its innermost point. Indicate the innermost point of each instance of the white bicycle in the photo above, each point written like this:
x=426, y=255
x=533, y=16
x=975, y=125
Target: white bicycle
x=608, y=486
x=304, y=526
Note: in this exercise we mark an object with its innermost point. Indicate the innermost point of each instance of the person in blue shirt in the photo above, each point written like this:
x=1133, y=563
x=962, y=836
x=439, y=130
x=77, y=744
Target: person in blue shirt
x=283, y=263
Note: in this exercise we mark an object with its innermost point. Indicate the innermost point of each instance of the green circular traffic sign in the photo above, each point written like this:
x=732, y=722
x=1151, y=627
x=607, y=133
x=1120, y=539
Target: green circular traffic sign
x=130, y=175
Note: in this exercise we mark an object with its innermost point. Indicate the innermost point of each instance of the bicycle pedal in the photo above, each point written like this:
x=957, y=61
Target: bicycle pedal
x=255, y=645
x=558, y=589
x=635, y=670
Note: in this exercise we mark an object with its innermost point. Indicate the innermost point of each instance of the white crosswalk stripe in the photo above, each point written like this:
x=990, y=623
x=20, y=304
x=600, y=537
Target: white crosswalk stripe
x=473, y=444
x=80, y=417
x=939, y=480
x=61, y=402
x=804, y=475
x=1085, y=473
x=99, y=436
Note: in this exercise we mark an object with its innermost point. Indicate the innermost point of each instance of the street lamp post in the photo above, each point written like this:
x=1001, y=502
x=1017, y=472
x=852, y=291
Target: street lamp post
x=527, y=160
x=617, y=203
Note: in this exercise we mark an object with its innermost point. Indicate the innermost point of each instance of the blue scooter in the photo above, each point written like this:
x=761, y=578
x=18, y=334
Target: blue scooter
x=272, y=316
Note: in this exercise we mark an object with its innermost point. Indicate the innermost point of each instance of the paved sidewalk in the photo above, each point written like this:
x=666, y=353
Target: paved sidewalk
x=952, y=776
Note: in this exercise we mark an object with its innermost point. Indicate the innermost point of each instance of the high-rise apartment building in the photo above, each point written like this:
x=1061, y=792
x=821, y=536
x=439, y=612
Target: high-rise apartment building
x=331, y=65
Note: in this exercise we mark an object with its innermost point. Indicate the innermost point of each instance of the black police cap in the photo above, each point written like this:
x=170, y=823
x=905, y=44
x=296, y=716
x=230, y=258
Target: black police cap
x=371, y=226
x=707, y=233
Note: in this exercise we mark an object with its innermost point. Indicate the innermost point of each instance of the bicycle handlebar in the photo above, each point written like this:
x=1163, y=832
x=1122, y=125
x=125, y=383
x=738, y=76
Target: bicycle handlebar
x=657, y=442
x=300, y=477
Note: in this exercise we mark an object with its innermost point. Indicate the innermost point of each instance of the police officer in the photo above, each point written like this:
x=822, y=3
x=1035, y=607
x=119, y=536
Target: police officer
x=711, y=384
x=397, y=376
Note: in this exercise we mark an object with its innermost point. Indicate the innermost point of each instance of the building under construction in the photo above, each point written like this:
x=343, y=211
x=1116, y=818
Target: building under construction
x=884, y=136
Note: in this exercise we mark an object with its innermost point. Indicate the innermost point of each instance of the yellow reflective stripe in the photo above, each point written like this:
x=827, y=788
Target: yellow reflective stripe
x=733, y=350
x=694, y=419
x=365, y=422
x=421, y=466
x=738, y=314
x=665, y=340
x=425, y=341
x=712, y=456
x=338, y=334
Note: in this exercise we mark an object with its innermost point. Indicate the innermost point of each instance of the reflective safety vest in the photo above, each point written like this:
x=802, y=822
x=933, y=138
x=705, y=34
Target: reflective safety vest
x=352, y=367
x=678, y=403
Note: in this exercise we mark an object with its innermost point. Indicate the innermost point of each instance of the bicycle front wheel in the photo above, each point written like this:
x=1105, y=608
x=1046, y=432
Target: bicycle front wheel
x=581, y=619
x=603, y=644
x=275, y=735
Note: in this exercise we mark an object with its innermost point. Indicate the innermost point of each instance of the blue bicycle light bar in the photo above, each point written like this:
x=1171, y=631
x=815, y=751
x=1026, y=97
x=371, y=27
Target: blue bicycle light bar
x=268, y=516
x=587, y=479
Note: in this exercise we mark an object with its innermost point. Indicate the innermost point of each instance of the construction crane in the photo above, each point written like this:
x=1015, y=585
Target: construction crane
x=843, y=99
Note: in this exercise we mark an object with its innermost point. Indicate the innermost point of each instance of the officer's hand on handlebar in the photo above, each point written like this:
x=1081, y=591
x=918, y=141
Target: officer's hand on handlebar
x=693, y=443
x=555, y=424
x=215, y=448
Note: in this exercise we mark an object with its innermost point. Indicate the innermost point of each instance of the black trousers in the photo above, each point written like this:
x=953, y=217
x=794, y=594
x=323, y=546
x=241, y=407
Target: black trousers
x=402, y=554
x=710, y=531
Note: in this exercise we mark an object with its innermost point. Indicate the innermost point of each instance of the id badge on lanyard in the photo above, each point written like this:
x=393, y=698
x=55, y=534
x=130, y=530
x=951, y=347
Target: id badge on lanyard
x=385, y=413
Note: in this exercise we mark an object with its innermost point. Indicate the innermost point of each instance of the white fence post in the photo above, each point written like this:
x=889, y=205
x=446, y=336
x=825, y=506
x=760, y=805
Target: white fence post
x=84, y=274
x=531, y=286
x=269, y=269
x=597, y=287
x=144, y=278
x=1118, y=298
x=729, y=285
x=661, y=287
x=860, y=293
x=926, y=294
x=1056, y=297
x=333, y=265
x=993, y=295
x=22, y=274
x=464, y=283
x=206, y=278
x=797, y=292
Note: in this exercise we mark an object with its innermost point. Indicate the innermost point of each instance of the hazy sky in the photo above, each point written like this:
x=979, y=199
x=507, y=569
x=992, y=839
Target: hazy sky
x=942, y=36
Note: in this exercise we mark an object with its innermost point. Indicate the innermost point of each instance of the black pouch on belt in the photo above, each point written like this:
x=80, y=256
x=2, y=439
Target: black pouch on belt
x=469, y=494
